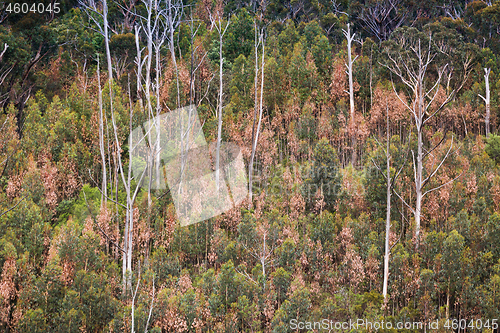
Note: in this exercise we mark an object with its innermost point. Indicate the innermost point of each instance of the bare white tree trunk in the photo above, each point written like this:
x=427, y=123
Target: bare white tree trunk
x=148, y=28
x=221, y=31
x=250, y=165
x=104, y=185
x=350, y=61
x=157, y=149
x=261, y=254
x=256, y=131
x=414, y=78
x=96, y=15
x=139, y=63
x=5, y=47
x=487, y=101
x=388, y=213
x=5, y=71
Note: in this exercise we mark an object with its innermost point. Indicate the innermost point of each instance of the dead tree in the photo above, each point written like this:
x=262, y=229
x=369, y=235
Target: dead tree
x=5, y=47
x=487, y=100
x=382, y=18
x=221, y=30
x=259, y=40
x=350, y=37
x=411, y=68
x=155, y=31
x=260, y=244
x=104, y=183
x=98, y=12
x=195, y=63
x=390, y=180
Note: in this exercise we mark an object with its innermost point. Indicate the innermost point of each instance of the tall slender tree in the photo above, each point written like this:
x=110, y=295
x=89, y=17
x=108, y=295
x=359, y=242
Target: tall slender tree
x=259, y=40
x=487, y=101
x=390, y=180
x=221, y=30
x=352, y=125
x=412, y=67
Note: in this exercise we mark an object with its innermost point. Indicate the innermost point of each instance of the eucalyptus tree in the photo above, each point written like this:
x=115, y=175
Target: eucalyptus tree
x=487, y=101
x=259, y=41
x=350, y=38
x=98, y=15
x=97, y=12
x=155, y=30
x=390, y=180
x=4, y=71
x=411, y=60
x=381, y=18
x=216, y=21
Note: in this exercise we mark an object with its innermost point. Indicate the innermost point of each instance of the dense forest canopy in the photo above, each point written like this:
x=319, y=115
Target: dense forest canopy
x=369, y=136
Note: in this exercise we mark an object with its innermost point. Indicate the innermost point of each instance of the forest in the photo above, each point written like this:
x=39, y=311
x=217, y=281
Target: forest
x=368, y=158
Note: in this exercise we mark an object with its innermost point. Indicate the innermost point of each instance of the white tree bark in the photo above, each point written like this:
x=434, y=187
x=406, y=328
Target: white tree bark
x=256, y=131
x=94, y=13
x=350, y=61
x=349, y=72
x=421, y=101
x=104, y=184
x=487, y=101
x=388, y=208
x=221, y=31
x=139, y=62
x=5, y=47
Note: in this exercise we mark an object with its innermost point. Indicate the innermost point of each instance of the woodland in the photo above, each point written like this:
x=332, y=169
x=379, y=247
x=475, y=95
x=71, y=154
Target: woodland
x=369, y=134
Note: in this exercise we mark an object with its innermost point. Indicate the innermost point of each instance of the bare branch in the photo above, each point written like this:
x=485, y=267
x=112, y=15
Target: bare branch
x=404, y=201
x=11, y=208
x=6, y=46
x=150, y=308
x=426, y=180
x=448, y=182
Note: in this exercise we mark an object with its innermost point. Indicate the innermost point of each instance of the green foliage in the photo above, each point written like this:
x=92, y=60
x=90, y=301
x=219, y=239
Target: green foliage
x=311, y=243
x=323, y=175
x=239, y=37
x=493, y=148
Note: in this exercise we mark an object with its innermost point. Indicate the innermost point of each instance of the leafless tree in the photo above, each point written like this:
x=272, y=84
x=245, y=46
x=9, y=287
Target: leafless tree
x=156, y=33
x=487, y=100
x=259, y=40
x=411, y=68
x=294, y=7
x=336, y=8
x=139, y=62
x=350, y=37
x=5, y=47
x=104, y=184
x=454, y=9
x=97, y=12
x=4, y=72
x=382, y=18
x=221, y=30
x=195, y=63
x=390, y=180
x=127, y=10
x=261, y=248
